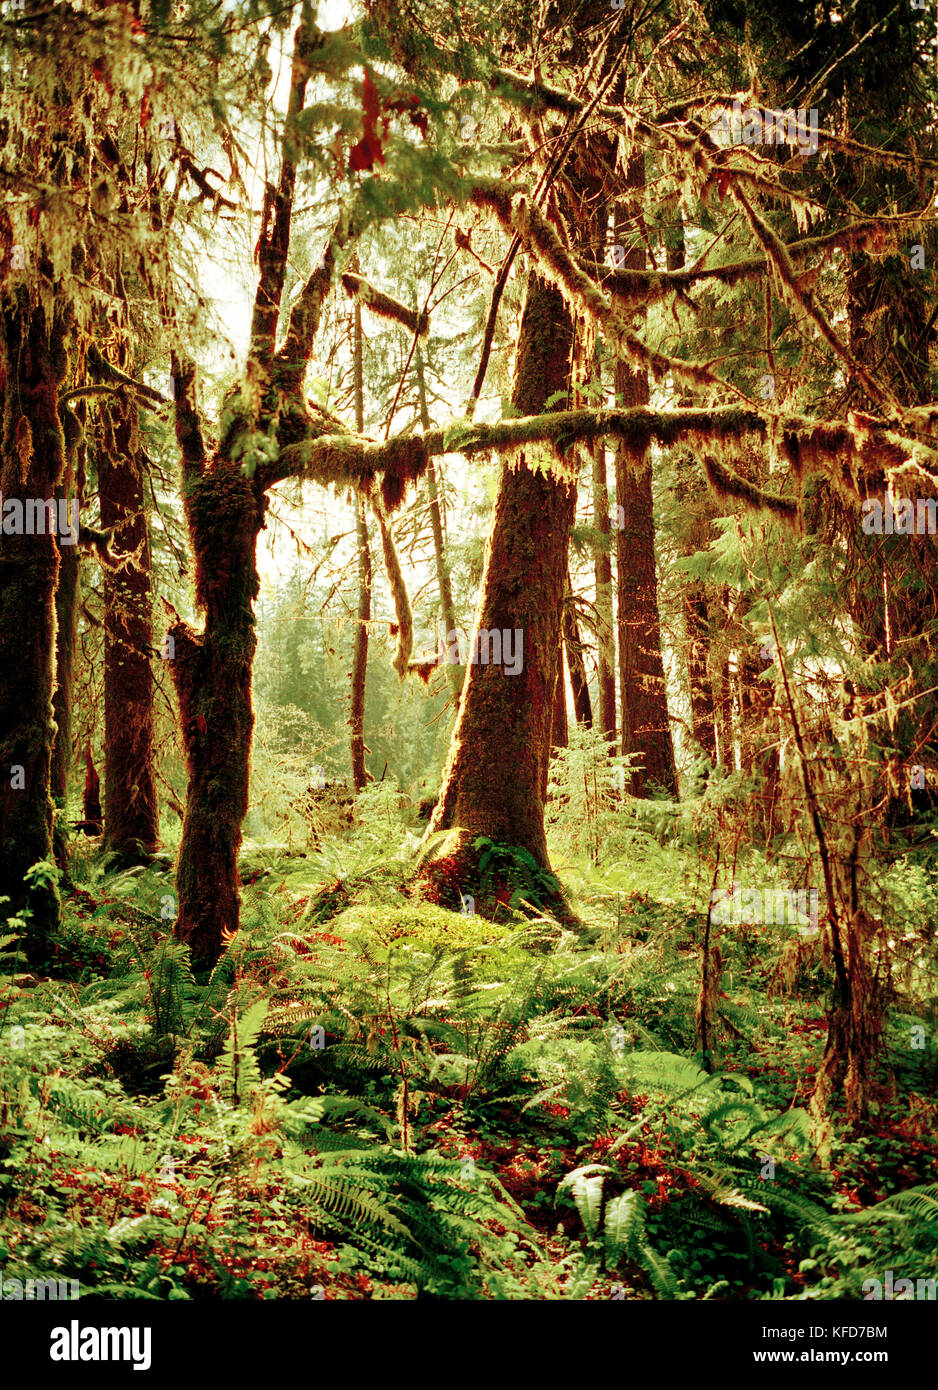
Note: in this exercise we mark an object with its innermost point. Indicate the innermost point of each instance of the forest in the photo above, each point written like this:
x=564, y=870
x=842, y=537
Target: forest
x=468, y=679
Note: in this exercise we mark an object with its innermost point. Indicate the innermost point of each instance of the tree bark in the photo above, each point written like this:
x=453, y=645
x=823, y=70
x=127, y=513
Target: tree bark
x=757, y=729
x=455, y=672
x=496, y=772
x=212, y=675
x=645, y=725
x=605, y=618
x=360, y=776
x=560, y=729
x=701, y=690
x=574, y=648
x=33, y=363
x=696, y=536
x=131, y=809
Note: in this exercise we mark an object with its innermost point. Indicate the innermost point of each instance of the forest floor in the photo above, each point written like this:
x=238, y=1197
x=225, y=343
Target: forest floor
x=376, y=1096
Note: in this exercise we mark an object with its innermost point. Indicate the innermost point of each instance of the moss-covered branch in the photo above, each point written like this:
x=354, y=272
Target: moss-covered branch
x=631, y=288
x=380, y=303
x=520, y=216
x=855, y=455
x=351, y=460
x=290, y=362
x=188, y=424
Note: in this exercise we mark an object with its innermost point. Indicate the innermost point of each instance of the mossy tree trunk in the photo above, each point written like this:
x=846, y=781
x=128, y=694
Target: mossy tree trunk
x=496, y=773
x=212, y=675
x=758, y=735
x=131, y=812
x=33, y=364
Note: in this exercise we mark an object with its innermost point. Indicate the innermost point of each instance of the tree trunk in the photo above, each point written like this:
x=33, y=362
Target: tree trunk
x=757, y=735
x=574, y=648
x=690, y=488
x=701, y=690
x=131, y=810
x=560, y=730
x=645, y=725
x=66, y=615
x=496, y=772
x=605, y=619
x=360, y=776
x=212, y=675
x=455, y=672
x=726, y=751
x=92, y=817
x=33, y=364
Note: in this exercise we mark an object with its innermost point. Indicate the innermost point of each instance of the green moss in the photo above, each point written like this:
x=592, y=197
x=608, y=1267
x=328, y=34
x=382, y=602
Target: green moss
x=423, y=926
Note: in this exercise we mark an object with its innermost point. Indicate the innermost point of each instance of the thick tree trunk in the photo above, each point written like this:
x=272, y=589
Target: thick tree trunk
x=646, y=728
x=131, y=810
x=496, y=771
x=212, y=675
x=33, y=364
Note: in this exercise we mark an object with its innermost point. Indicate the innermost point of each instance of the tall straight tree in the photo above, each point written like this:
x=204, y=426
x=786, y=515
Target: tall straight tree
x=33, y=365
x=131, y=811
x=646, y=729
x=605, y=615
x=363, y=617
x=447, y=609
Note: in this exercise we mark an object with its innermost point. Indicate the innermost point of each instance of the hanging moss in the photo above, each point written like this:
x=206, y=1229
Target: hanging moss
x=730, y=487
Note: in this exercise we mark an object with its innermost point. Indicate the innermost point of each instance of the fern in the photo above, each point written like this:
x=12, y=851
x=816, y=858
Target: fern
x=237, y=1066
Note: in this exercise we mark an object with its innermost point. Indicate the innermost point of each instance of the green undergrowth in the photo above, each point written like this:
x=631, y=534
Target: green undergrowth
x=374, y=1096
